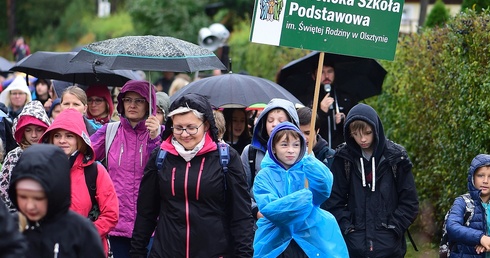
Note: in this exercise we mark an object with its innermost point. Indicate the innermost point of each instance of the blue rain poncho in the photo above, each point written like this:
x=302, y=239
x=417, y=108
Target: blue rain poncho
x=291, y=211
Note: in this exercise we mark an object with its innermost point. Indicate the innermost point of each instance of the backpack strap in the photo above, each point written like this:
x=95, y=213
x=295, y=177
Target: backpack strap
x=90, y=173
x=110, y=134
x=252, y=153
x=160, y=158
x=224, y=159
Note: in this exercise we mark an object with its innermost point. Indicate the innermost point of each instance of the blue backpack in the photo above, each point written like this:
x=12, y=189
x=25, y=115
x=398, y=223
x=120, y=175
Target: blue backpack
x=224, y=159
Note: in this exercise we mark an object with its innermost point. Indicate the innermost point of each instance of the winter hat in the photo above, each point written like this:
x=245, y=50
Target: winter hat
x=103, y=92
x=163, y=102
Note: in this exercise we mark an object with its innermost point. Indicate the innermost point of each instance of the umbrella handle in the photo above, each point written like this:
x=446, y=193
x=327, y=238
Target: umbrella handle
x=96, y=62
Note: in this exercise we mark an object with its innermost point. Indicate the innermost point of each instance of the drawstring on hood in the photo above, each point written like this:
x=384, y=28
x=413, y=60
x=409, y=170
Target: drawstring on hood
x=367, y=114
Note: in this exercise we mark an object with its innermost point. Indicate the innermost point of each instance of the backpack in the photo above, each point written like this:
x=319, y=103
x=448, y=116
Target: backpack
x=91, y=181
x=252, y=153
x=110, y=133
x=446, y=245
x=224, y=159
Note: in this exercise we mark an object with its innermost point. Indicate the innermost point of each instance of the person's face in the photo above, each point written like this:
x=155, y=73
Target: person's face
x=160, y=115
x=42, y=88
x=239, y=123
x=71, y=101
x=33, y=204
x=135, y=106
x=66, y=140
x=97, y=106
x=306, y=132
x=481, y=179
x=364, y=138
x=33, y=133
x=275, y=117
x=287, y=151
x=188, y=121
x=328, y=75
x=18, y=98
x=56, y=111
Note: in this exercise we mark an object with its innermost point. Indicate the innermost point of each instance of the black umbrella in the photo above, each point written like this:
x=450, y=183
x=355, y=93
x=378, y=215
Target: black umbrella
x=361, y=77
x=236, y=90
x=153, y=53
x=57, y=65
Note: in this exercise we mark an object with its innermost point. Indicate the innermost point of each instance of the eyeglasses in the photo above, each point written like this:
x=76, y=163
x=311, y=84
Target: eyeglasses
x=191, y=130
x=17, y=93
x=138, y=101
x=96, y=101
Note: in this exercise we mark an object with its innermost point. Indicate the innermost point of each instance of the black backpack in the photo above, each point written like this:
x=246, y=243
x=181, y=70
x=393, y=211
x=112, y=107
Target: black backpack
x=91, y=181
x=446, y=245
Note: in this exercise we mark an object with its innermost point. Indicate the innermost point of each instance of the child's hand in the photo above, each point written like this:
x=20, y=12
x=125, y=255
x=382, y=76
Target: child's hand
x=480, y=249
x=485, y=242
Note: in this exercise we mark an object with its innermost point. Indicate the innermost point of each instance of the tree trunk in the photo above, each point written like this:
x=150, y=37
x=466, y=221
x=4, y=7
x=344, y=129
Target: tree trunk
x=423, y=12
x=11, y=19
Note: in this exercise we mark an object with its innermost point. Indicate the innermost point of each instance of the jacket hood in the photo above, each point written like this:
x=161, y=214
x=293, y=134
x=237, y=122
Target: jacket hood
x=72, y=121
x=280, y=127
x=481, y=160
x=197, y=102
x=260, y=137
x=48, y=165
x=19, y=83
x=141, y=87
x=55, y=103
x=163, y=102
x=33, y=113
x=103, y=92
x=367, y=114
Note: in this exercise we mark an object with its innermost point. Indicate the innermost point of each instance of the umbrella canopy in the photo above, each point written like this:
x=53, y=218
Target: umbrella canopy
x=236, y=90
x=5, y=64
x=57, y=65
x=362, y=77
x=153, y=53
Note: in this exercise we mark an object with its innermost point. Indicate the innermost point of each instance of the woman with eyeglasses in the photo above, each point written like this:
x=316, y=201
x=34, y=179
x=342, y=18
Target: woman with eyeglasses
x=15, y=96
x=100, y=106
x=135, y=136
x=195, y=208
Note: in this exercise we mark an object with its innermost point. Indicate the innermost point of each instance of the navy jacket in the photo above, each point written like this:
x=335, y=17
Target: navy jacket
x=467, y=237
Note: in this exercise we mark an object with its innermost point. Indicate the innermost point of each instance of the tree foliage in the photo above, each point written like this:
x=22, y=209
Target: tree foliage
x=438, y=16
x=258, y=59
x=435, y=103
x=475, y=5
x=177, y=18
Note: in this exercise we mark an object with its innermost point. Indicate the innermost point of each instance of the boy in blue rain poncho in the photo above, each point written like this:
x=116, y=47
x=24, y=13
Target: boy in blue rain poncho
x=293, y=224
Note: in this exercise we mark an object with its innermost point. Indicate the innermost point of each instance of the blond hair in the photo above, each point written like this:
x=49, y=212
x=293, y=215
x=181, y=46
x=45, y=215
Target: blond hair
x=219, y=120
x=177, y=84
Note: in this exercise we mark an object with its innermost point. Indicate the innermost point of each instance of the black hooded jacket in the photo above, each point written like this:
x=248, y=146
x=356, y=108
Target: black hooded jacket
x=75, y=235
x=373, y=219
x=194, y=215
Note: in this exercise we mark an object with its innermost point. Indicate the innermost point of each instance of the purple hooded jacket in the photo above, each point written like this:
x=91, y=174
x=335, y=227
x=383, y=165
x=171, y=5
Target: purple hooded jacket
x=127, y=156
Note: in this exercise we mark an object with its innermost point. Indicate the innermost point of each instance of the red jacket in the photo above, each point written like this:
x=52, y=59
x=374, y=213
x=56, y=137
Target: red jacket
x=72, y=120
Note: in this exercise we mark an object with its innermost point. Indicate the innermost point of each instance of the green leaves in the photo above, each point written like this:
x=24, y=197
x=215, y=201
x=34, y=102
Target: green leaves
x=436, y=103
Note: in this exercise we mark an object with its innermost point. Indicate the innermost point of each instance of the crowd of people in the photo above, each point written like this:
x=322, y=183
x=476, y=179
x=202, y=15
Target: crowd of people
x=123, y=172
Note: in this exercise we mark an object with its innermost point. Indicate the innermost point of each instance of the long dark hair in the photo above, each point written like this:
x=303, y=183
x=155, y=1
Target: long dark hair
x=228, y=114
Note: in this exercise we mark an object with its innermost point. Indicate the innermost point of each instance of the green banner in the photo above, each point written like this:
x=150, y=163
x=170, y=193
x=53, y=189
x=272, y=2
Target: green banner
x=364, y=28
